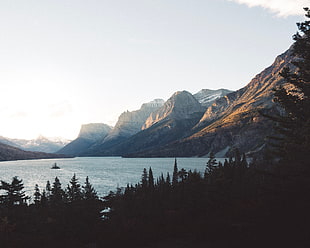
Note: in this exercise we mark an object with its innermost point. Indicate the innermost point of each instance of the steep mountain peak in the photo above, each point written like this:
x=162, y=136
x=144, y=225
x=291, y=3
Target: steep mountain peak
x=181, y=93
x=181, y=105
x=41, y=137
x=206, y=96
x=156, y=103
x=89, y=134
x=94, y=131
x=257, y=94
x=130, y=122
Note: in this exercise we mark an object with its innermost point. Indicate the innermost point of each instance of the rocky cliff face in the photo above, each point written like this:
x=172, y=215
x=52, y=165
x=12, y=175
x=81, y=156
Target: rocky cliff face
x=206, y=97
x=233, y=121
x=258, y=94
x=171, y=122
x=183, y=127
x=130, y=123
x=181, y=105
x=94, y=131
x=89, y=135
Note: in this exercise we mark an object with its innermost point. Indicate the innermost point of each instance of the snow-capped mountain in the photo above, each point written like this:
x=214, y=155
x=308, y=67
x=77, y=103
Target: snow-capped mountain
x=40, y=144
x=206, y=97
x=181, y=105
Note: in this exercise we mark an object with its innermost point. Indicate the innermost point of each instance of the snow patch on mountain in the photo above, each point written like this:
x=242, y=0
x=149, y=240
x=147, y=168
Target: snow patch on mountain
x=206, y=97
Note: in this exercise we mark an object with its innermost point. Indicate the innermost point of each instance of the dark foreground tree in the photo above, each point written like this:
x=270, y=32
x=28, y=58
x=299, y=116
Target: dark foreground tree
x=37, y=195
x=74, y=190
x=88, y=192
x=175, y=174
x=14, y=194
x=293, y=140
x=57, y=193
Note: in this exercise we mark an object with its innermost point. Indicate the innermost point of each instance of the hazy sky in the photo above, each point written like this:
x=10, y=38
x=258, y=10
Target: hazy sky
x=64, y=63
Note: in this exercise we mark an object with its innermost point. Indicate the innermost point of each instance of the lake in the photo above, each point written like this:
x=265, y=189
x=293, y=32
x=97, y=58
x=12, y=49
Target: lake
x=105, y=173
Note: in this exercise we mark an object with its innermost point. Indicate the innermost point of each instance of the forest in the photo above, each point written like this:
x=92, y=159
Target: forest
x=239, y=203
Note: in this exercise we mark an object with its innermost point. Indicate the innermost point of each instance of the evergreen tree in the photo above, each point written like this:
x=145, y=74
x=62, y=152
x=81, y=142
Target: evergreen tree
x=237, y=157
x=183, y=174
x=37, y=195
x=74, y=190
x=175, y=175
x=48, y=190
x=211, y=164
x=226, y=163
x=244, y=162
x=151, y=178
x=144, y=178
x=57, y=196
x=44, y=199
x=14, y=192
x=89, y=193
x=293, y=139
x=168, y=179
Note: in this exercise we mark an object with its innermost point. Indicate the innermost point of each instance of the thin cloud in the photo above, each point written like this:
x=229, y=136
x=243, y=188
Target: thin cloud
x=281, y=8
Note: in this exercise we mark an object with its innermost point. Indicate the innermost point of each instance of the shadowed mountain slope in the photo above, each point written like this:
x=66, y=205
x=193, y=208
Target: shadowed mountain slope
x=232, y=121
x=171, y=122
x=89, y=134
x=8, y=153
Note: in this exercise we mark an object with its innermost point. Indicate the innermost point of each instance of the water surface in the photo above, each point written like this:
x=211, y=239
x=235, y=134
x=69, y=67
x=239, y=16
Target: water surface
x=105, y=173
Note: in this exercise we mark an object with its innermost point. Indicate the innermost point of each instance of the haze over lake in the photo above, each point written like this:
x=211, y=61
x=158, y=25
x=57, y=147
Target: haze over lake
x=105, y=173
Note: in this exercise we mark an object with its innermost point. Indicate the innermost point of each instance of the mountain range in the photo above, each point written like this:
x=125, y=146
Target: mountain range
x=184, y=125
x=195, y=124
x=40, y=148
x=40, y=144
x=8, y=153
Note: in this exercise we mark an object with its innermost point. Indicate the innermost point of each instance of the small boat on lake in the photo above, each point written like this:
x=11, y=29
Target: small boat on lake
x=55, y=166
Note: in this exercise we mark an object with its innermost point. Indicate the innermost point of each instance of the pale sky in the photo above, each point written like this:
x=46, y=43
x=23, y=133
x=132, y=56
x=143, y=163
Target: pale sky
x=64, y=63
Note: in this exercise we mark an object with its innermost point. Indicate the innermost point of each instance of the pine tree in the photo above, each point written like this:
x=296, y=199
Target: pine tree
x=144, y=178
x=57, y=196
x=168, y=179
x=44, y=199
x=37, y=195
x=244, y=162
x=211, y=164
x=89, y=193
x=14, y=192
x=151, y=178
x=175, y=175
x=293, y=139
x=74, y=190
x=48, y=191
x=183, y=174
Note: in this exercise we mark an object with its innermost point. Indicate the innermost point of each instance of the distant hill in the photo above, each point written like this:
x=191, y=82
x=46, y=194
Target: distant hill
x=8, y=153
x=41, y=144
x=89, y=135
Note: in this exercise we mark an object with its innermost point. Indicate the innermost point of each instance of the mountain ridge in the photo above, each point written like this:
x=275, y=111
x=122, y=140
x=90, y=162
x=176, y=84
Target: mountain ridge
x=233, y=121
x=40, y=144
